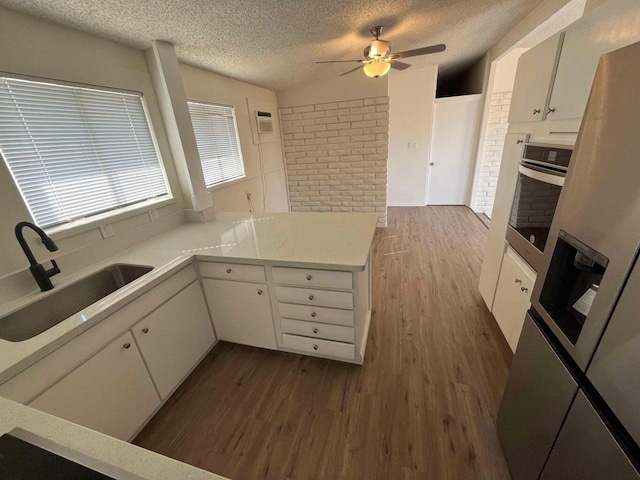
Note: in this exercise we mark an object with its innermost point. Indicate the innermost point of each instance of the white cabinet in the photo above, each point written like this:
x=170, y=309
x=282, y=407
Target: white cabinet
x=495, y=245
x=534, y=77
x=174, y=338
x=513, y=296
x=607, y=28
x=112, y=392
x=241, y=312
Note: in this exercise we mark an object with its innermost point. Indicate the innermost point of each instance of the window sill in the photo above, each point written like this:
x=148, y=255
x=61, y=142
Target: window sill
x=85, y=224
x=228, y=183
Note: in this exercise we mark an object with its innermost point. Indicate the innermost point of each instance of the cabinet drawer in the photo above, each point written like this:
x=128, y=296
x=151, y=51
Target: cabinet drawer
x=316, y=314
x=232, y=271
x=308, y=296
x=324, y=347
x=317, y=330
x=313, y=278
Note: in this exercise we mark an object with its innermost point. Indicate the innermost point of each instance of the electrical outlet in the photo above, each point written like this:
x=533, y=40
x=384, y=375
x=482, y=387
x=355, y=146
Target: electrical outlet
x=106, y=230
x=153, y=215
x=411, y=145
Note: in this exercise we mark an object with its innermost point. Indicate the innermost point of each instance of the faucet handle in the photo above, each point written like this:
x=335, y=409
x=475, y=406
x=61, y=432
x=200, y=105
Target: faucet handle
x=53, y=271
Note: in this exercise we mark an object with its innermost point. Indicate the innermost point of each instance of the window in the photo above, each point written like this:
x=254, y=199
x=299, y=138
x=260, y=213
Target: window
x=75, y=152
x=218, y=144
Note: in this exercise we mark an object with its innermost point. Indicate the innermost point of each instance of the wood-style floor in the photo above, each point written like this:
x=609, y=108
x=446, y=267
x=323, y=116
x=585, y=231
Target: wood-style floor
x=422, y=406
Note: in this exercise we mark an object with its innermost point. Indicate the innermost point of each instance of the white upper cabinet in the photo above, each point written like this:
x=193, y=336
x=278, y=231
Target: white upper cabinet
x=608, y=28
x=534, y=77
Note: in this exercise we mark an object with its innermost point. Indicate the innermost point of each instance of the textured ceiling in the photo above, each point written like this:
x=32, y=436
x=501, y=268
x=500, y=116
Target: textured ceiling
x=275, y=43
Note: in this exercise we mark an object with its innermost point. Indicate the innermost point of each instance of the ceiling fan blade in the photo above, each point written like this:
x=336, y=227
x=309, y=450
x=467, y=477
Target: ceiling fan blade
x=420, y=51
x=350, y=71
x=340, y=61
x=399, y=65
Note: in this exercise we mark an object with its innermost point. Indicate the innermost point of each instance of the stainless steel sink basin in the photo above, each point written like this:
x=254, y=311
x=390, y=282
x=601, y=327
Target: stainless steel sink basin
x=43, y=314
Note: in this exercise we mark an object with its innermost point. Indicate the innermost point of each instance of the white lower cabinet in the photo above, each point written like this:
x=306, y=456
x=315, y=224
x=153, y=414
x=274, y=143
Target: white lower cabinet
x=173, y=338
x=513, y=296
x=241, y=312
x=111, y=392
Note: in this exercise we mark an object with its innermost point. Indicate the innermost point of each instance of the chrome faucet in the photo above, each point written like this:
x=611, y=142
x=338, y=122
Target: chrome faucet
x=42, y=276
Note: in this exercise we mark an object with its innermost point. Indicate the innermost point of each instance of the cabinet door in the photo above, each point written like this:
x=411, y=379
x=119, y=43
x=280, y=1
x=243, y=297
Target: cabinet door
x=534, y=77
x=585, y=41
x=111, y=392
x=174, y=337
x=495, y=244
x=585, y=449
x=536, y=400
x=513, y=296
x=241, y=312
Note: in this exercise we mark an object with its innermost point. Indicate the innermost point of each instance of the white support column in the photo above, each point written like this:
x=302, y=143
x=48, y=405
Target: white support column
x=167, y=81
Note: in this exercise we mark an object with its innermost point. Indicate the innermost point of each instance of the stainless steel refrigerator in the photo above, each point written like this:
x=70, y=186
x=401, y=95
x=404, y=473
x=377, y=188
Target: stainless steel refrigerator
x=571, y=407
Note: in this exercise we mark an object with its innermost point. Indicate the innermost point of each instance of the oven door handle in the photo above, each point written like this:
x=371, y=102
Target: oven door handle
x=557, y=180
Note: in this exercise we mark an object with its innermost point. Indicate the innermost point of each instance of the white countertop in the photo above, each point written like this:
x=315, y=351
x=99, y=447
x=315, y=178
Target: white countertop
x=332, y=241
x=339, y=241
x=105, y=454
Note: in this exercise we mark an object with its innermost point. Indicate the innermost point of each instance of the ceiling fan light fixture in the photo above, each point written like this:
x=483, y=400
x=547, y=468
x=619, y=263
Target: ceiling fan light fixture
x=379, y=48
x=377, y=69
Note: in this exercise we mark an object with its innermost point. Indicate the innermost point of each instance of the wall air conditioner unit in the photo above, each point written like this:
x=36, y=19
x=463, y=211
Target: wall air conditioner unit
x=264, y=122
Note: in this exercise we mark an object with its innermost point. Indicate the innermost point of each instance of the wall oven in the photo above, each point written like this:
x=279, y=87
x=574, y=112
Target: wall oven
x=541, y=174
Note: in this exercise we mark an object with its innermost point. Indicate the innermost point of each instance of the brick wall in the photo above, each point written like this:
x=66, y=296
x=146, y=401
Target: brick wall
x=485, y=190
x=336, y=156
x=534, y=203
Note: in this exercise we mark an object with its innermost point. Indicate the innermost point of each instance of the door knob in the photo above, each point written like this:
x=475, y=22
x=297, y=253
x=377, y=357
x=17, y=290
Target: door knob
x=313, y=314
x=536, y=111
x=315, y=330
x=309, y=277
x=145, y=330
x=315, y=347
x=259, y=292
x=126, y=346
x=432, y=164
x=311, y=297
x=228, y=270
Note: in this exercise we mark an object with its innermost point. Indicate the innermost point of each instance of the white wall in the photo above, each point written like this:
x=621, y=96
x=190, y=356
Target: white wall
x=42, y=49
x=206, y=86
x=506, y=67
x=411, y=98
x=354, y=86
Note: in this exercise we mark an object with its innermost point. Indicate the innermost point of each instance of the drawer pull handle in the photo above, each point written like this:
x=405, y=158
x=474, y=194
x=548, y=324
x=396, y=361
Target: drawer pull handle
x=524, y=289
x=536, y=111
x=145, y=330
x=315, y=330
x=313, y=314
x=517, y=280
x=315, y=347
x=551, y=110
x=311, y=297
x=309, y=277
x=259, y=292
x=126, y=346
x=228, y=270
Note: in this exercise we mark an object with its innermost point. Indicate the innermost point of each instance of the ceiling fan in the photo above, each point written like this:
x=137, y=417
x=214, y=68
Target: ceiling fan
x=378, y=58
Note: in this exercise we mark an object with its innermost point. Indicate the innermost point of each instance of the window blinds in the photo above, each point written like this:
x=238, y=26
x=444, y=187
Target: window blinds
x=217, y=139
x=76, y=152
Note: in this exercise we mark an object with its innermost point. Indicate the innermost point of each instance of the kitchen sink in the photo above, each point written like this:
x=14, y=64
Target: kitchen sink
x=43, y=314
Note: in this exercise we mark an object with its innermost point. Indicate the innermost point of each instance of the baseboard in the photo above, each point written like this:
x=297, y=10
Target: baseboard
x=405, y=204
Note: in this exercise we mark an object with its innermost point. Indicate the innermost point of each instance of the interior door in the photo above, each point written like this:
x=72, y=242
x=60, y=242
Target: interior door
x=455, y=125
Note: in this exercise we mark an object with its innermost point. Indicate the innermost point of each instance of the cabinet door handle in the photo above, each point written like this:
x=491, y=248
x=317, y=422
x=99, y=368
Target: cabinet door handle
x=126, y=346
x=517, y=280
x=519, y=141
x=313, y=314
x=524, y=289
x=228, y=270
x=311, y=297
x=309, y=277
x=315, y=330
x=315, y=347
x=145, y=330
x=259, y=292
x=551, y=110
x=536, y=111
